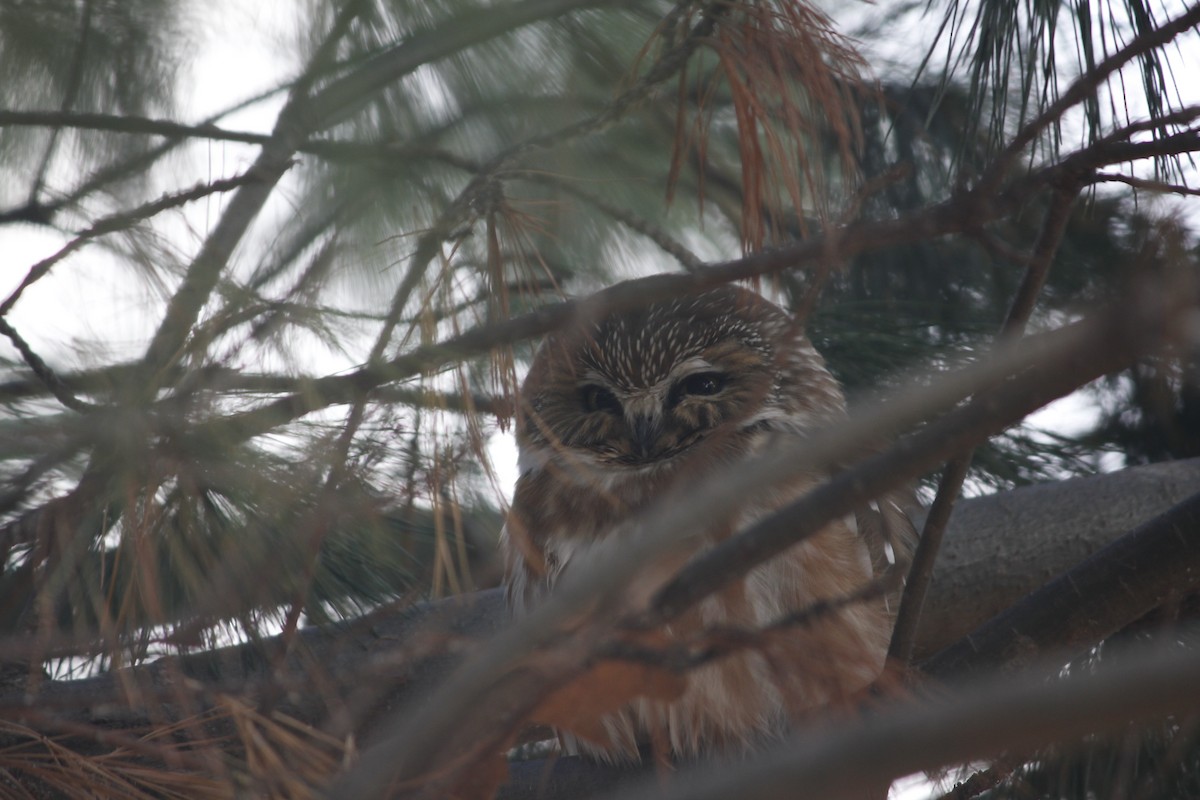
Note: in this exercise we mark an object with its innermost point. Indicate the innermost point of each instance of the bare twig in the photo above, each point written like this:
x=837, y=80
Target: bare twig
x=908, y=618
x=118, y=222
x=955, y=472
x=1084, y=87
x=122, y=123
x=42, y=369
x=1145, y=184
x=332, y=149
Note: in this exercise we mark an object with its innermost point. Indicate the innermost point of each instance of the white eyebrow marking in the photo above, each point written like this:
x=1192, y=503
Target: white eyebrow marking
x=688, y=367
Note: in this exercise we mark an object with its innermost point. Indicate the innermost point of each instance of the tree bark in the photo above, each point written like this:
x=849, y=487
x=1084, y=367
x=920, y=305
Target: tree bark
x=1155, y=565
x=1003, y=546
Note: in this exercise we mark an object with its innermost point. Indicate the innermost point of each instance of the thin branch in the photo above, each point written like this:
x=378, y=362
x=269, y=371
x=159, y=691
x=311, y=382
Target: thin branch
x=326, y=54
x=42, y=369
x=955, y=472
x=912, y=602
x=1054, y=225
x=1084, y=88
x=140, y=162
x=330, y=149
x=132, y=124
x=235, y=381
x=119, y=222
x=1182, y=117
x=1146, y=185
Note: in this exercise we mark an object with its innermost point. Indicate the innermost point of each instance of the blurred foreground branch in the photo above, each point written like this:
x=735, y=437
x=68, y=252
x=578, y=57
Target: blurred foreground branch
x=848, y=759
x=347, y=677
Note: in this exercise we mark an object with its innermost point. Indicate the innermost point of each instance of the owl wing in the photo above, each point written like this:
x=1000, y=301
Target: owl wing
x=888, y=530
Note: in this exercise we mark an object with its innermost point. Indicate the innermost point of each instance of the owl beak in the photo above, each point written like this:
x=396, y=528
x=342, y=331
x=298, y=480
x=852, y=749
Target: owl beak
x=645, y=433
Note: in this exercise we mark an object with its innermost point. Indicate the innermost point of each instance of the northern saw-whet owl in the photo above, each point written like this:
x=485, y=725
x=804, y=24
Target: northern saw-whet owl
x=618, y=412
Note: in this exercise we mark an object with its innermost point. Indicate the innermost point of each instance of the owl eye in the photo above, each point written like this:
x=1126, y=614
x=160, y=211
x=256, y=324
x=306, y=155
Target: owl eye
x=699, y=384
x=597, y=398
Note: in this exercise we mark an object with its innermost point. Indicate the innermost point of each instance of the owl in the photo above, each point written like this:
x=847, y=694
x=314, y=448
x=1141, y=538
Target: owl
x=638, y=405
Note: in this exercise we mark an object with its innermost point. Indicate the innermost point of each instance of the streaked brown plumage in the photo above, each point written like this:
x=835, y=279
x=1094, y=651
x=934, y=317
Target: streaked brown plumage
x=616, y=414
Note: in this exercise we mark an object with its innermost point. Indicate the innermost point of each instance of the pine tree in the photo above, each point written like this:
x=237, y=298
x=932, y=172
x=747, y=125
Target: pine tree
x=288, y=424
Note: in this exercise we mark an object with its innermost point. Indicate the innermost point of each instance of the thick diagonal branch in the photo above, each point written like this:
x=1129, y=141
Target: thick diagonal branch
x=1126, y=580
x=1108, y=342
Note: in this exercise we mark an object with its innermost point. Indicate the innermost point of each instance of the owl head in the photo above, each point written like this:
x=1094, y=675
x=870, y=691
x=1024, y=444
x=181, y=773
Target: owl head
x=642, y=387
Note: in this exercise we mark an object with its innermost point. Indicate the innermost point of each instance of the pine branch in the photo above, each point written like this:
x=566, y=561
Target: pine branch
x=304, y=115
x=966, y=211
x=120, y=221
x=474, y=199
x=41, y=369
x=1084, y=88
x=127, y=123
